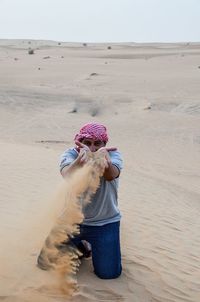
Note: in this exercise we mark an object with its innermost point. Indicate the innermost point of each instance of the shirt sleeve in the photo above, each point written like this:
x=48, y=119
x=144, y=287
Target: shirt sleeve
x=116, y=159
x=67, y=158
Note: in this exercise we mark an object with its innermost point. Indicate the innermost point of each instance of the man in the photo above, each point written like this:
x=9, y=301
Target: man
x=101, y=224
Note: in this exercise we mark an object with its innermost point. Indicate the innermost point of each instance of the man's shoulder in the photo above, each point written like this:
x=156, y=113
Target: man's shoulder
x=116, y=153
x=68, y=157
x=116, y=158
x=70, y=151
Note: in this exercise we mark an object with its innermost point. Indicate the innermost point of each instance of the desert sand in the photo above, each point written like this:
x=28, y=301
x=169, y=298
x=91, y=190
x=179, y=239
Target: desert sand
x=148, y=96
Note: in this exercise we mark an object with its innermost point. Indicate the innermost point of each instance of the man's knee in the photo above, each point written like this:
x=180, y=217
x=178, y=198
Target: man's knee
x=108, y=275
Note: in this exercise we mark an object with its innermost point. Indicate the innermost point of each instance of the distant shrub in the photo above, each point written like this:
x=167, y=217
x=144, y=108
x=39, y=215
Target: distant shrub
x=85, y=44
x=74, y=110
x=31, y=51
x=94, y=110
x=109, y=47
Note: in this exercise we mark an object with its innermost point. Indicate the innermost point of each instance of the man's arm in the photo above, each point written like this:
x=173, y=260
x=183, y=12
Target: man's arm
x=111, y=172
x=77, y=163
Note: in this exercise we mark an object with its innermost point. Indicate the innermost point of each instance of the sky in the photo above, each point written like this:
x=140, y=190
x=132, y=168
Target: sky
x=101, y=20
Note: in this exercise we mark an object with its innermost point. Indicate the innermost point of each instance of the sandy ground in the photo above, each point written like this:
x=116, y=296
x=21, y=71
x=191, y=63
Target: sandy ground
x=148, y=95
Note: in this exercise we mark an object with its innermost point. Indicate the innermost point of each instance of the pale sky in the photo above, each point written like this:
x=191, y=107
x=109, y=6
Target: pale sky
x=101, y=20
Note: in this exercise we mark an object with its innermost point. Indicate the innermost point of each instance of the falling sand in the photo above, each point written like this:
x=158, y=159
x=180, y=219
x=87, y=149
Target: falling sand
x=63, y=259
x=62, y=264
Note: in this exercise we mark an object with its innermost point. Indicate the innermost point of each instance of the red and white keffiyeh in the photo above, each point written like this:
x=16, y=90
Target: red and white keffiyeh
x=94, y=131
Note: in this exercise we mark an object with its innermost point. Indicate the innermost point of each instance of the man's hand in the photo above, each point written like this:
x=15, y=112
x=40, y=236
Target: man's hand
x=104, y=151
x=111, y=171
x=83, y=152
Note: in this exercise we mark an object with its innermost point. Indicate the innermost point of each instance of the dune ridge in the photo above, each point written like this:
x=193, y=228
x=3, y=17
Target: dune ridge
x=148, y=96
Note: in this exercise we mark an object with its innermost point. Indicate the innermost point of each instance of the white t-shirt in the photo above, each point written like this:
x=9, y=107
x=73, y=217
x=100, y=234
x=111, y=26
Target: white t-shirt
x=103, y=207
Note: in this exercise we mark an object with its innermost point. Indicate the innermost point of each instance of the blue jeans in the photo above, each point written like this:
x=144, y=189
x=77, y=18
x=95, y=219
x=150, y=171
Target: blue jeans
x=105, y=242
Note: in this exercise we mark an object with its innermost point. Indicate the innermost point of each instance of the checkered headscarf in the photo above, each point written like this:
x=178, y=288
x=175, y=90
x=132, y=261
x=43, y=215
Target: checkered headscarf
x=94, y=131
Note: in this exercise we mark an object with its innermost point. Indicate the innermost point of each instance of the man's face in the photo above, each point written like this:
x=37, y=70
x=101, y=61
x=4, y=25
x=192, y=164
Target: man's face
x=94, y=145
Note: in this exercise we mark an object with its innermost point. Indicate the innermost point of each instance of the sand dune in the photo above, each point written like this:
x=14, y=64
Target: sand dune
x=148, y=95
